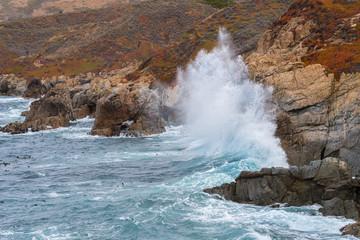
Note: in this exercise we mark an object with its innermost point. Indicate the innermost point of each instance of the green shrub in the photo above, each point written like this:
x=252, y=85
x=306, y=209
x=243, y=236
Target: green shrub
x=219, y=3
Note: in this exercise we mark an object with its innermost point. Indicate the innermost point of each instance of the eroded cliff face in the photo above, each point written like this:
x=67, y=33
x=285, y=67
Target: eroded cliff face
x=317, y=100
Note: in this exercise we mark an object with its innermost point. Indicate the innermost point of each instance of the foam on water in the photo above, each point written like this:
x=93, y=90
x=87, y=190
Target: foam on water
x=11, y=109
x=226, y=112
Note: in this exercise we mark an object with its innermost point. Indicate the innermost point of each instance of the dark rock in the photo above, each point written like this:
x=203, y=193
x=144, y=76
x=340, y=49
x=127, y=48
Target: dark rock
x=334, y=207
x=35, y=89
x=327, y=182
x=135, y=113
x=24, y=113
x=15, y=128
x=53, y=110
x=275, y=206
x=4, y=87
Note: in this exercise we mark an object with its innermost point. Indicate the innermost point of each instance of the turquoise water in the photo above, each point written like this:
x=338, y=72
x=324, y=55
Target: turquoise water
x=76, y=186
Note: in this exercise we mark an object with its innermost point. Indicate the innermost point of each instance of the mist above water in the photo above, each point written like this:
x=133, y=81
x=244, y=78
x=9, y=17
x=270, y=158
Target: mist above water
x=225, y=111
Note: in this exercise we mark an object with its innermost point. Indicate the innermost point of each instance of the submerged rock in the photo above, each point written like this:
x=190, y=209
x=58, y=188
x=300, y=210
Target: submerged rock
x=326, y=182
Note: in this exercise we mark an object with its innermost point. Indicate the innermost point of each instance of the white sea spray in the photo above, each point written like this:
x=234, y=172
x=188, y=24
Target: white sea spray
x=225, y=110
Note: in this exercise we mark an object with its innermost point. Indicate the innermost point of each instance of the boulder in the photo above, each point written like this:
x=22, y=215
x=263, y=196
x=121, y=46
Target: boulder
x=35, y=89
x=131, y=110
x=54, y=110
x=351, y=229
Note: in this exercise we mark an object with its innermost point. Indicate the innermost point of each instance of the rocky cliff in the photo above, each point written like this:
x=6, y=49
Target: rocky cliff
x=311, y=56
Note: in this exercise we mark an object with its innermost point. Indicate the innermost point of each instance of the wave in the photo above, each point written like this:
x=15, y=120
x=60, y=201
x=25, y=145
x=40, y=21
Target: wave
x=227, y=112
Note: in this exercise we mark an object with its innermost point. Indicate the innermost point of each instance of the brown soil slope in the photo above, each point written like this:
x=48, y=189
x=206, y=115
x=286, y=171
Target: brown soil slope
x=68, y=44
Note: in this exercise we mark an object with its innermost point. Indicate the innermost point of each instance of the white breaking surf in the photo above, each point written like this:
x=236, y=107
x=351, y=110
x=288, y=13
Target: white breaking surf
x=226, y=112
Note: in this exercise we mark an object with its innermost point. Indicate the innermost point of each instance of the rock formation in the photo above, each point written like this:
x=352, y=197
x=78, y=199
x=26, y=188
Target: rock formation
x=14, y=128
x=132, y=110
x=327, y=182
x=54, y=110
x=310, y=57
x=35, y=89
x=351, y=229
x=10, y=85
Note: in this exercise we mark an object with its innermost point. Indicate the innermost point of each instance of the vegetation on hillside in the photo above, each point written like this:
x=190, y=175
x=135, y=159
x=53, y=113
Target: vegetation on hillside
x=332, y=18
x=96, y=40
x=219, y=4
x=246, y=22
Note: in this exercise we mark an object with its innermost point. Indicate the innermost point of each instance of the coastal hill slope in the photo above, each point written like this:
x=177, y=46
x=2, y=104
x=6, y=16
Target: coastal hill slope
x=18, y=9
x=96, y=40
x=246, y=22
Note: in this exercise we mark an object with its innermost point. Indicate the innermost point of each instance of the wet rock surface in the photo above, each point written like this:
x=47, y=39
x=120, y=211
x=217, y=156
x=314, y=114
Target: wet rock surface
x=326, y=182
x=351, y=229
x=14, y=128
x=54, y=110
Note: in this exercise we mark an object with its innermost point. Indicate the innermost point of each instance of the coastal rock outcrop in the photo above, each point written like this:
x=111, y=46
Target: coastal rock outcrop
x=10, y=85
x=132, y=110
x=309, y=56
x=326, y=182
x=35, y=89
x=14, y=128
x=54, y=110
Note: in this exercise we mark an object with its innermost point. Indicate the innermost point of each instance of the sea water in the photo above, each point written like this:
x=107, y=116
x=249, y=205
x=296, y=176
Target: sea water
x=66, y=184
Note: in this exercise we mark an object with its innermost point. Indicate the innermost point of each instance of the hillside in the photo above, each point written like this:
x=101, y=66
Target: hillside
x=245, y=21
x=15, y=9
x=111, y=38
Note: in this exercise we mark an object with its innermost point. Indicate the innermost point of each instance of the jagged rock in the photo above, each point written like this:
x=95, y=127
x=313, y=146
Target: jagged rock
x=327, y=182
x=317, y=104
x=24, y=113
x=14, y=128
x=351, y=229
x=35, y=89
x=53, y=110
x=136, y=104
x=10, y=85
